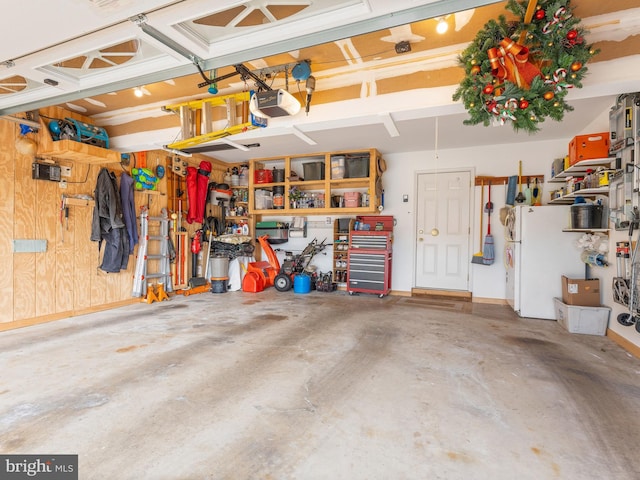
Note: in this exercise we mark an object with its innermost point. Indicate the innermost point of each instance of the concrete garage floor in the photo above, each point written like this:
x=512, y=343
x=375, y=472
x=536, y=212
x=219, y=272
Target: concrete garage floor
x=320, y=386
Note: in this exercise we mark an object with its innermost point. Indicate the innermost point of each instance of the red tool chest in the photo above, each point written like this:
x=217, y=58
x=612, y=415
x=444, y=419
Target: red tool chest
x=369, y=262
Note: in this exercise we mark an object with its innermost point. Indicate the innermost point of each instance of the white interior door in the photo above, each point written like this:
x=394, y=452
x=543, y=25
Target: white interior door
x=443, y=230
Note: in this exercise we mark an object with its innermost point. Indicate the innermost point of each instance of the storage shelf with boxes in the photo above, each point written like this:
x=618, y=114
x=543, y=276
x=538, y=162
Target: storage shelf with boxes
x=332, y=182
x=579, y=310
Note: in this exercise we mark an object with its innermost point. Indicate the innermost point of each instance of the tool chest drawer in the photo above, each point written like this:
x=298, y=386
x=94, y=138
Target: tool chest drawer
x=371, y=240
x=369, y=272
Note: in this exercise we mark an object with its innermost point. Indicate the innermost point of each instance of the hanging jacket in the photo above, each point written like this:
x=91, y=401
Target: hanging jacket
x=129, y=209
x=108, y=224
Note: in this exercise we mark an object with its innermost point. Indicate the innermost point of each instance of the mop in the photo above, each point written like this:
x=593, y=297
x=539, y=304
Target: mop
x=488, y=255
x=478, y=257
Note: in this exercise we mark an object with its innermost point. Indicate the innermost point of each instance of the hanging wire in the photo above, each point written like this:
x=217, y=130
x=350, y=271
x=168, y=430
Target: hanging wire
x=434, y=231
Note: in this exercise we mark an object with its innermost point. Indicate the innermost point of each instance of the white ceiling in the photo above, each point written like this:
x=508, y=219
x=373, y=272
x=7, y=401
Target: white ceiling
x=87, y=25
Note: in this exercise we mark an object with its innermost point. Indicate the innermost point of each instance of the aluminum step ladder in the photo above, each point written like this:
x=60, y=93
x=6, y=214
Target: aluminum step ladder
x=142, y=275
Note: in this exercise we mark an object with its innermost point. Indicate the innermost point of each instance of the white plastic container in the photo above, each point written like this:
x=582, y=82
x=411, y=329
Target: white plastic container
x=586, y=320
x=337, y=168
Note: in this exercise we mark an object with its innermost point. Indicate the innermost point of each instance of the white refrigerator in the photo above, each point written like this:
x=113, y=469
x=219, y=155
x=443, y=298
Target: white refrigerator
x=537, y=254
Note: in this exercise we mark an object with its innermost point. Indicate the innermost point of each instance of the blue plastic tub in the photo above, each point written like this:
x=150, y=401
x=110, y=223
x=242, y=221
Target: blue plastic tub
x=301, y=283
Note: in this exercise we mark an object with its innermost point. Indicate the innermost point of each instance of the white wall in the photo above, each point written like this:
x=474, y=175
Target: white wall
x=486, y=282
x=499, y=161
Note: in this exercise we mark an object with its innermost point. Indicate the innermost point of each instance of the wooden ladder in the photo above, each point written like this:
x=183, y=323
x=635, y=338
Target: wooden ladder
x=197, y=122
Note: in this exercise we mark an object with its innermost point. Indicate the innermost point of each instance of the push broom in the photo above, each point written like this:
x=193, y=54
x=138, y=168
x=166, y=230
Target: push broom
x=479, y=256
x=488, y=250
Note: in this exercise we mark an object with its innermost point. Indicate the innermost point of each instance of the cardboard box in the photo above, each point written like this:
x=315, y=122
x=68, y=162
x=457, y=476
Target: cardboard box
x=586, y=147
x=581, y=292
x=585, y=320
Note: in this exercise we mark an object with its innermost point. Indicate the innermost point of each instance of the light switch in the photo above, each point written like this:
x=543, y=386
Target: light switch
x=405, y=198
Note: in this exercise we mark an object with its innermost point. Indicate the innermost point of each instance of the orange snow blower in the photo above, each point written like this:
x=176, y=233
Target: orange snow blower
x=261, y=275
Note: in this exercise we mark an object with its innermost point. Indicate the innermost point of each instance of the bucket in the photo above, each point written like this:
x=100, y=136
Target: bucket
x=301, y=284
x=586, y=215
x=278, y=175
x=219, y=267
x=278, y=197
x=219, y=286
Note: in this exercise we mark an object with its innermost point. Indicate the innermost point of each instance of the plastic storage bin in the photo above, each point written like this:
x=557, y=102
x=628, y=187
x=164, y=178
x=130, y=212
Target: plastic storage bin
x=586, y=320
x=338, y=168
x=351, y=199
x=313, y=171
x=357, y=167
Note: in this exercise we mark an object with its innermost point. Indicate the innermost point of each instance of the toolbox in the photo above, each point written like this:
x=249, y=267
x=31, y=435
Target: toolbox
x=278, y=232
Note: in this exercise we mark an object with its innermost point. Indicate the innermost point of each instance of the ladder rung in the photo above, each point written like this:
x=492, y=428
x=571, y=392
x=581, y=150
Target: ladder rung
x=157, y=275
x=156, y=237
x=157, y=257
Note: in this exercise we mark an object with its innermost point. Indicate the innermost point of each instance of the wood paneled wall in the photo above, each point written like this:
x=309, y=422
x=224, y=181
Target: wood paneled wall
x=65, y=279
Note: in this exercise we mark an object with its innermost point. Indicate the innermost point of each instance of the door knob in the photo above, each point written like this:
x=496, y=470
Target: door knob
x=420, y=239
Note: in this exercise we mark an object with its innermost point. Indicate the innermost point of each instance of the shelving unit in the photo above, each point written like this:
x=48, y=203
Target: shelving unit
x=579, y=169
x=341, y=250
x=585, y=192
x=318, y=194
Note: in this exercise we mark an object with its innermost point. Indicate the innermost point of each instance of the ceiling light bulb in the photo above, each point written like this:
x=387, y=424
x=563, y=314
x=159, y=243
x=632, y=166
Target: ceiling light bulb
x=138, y=92
x=442, y=26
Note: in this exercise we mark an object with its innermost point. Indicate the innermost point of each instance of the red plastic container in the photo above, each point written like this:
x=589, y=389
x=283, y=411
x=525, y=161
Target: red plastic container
x=586, y=147
x=263, y=175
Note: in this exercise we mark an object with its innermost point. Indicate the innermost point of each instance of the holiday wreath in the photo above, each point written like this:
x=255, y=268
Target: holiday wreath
x=520, y=72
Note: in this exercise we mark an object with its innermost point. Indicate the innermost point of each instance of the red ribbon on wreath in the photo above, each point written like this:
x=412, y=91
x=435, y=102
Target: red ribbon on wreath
x=510, y=62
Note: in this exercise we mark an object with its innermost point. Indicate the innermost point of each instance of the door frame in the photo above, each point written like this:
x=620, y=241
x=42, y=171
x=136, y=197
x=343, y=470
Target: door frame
x=472, y=223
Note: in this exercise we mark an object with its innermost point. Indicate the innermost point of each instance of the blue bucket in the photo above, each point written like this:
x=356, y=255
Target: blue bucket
x=301, y=284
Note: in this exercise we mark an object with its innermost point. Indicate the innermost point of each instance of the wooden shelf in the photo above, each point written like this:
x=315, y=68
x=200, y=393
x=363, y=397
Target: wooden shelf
x=328, y=187
x=79, y=152
x=71, y=150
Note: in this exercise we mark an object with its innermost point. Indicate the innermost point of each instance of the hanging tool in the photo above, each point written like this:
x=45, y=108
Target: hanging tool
x=488, y=254
x=64, y=216
x=527, y=193
x=520, y=197
x=536, y=194
x=477, y=257
x=504, y=210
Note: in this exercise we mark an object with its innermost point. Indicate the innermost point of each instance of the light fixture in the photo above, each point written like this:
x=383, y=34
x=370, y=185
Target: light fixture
x=138, y=92
x=273, y=103
x=442, y=26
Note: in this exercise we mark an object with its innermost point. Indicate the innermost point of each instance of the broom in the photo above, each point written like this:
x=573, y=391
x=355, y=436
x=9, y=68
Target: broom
x=478, y=257
x=488, y=251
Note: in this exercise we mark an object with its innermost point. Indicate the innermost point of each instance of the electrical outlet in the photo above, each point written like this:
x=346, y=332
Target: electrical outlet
x=327, y=221
x=63, y=184
x=65, y=171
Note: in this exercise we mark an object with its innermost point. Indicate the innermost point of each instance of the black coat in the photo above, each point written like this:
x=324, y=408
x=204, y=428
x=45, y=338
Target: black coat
x=108, y=223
